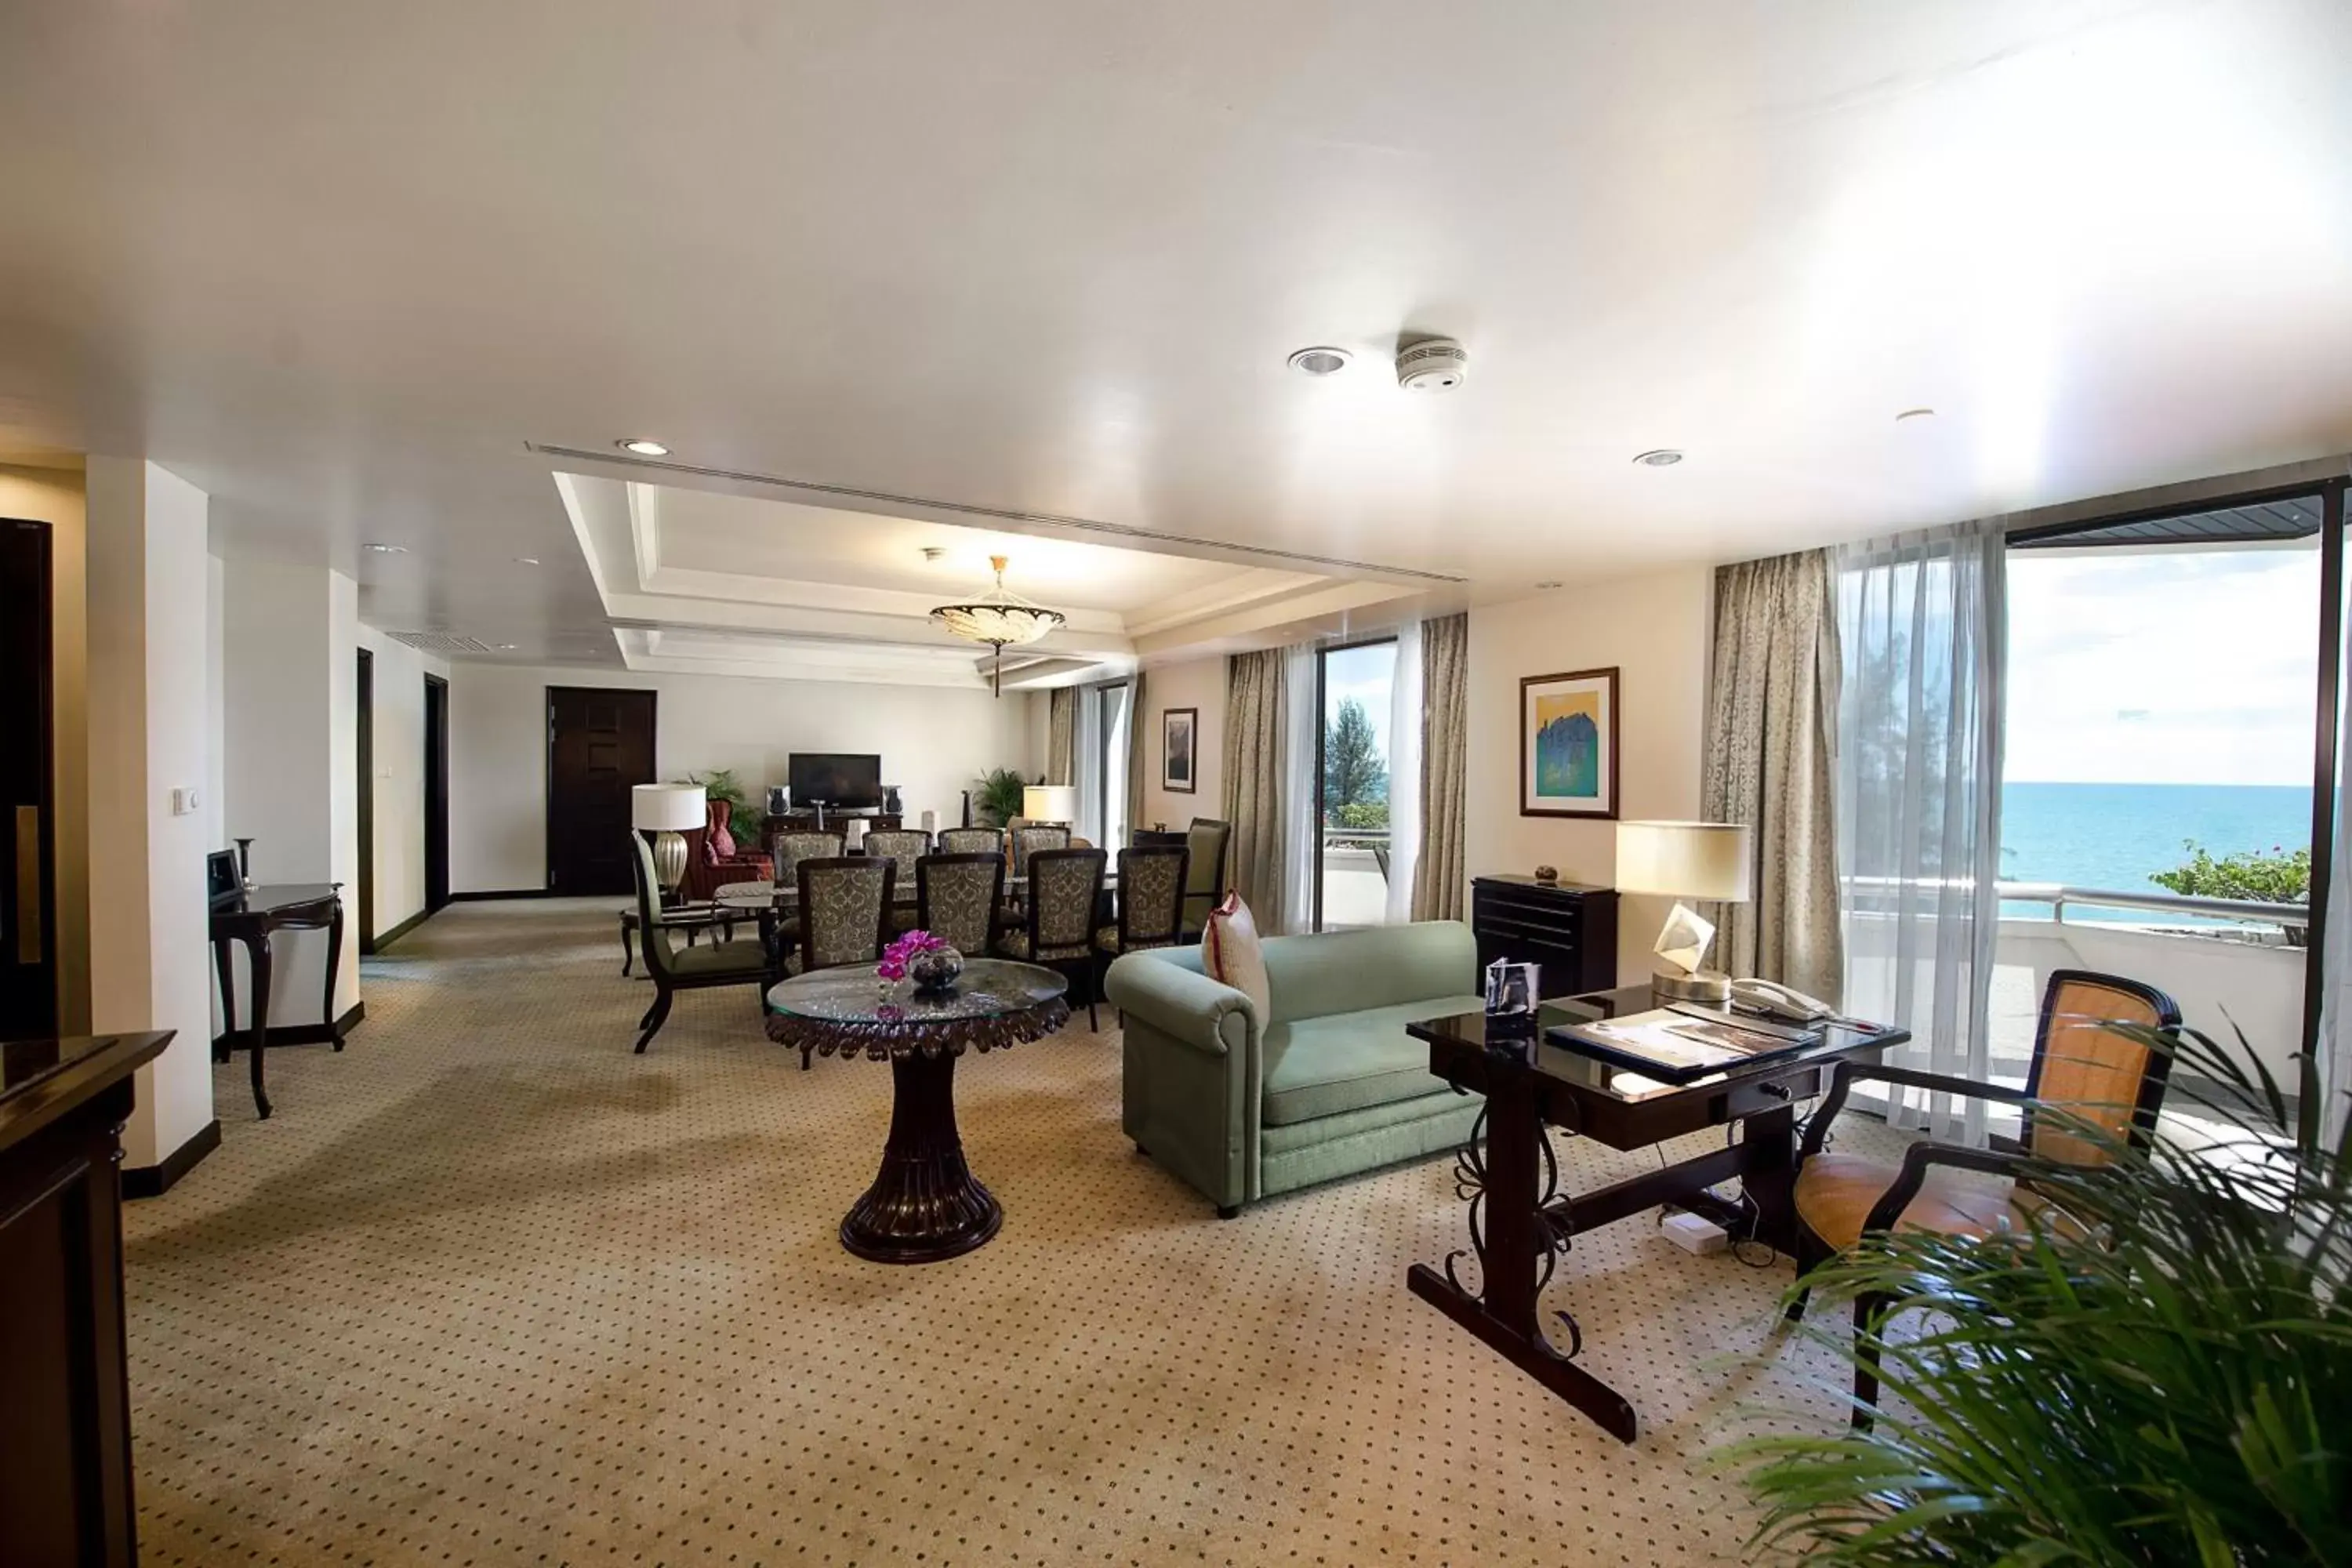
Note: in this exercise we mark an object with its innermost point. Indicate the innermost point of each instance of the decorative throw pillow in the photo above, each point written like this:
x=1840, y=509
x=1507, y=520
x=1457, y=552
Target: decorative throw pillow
x=1230, y=953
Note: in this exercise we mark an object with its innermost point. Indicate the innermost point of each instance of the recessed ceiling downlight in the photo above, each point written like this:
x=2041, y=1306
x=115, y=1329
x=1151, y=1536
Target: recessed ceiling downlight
x=1658, y=457
x=1914, y=414
x=387, y=549
x=1320, y=361
x=643, y=448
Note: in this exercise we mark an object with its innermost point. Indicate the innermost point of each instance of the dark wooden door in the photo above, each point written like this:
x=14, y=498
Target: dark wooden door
x=436, y=793
x=28, y=949
x=600, y=745
x=366, y=899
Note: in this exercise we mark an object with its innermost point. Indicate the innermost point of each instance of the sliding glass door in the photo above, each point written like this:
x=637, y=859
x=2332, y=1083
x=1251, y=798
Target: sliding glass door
x=1353, y=769
x=1108, y=819
x=2166, y=725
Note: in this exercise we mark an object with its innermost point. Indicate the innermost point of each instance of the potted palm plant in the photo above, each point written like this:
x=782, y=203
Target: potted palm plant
x=2168, y=1382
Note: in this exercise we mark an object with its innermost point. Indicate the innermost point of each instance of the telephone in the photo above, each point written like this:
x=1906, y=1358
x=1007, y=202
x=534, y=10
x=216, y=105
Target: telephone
x=1780, y=1002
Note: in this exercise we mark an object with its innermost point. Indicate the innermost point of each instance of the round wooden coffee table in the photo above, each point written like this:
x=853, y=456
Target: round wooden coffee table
x=925, y=1203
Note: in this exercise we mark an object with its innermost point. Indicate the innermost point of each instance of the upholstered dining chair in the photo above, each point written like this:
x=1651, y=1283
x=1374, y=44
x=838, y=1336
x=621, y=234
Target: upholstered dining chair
x=904, y=846
x=957, y=898
x=1205, y=884
x=845, y=913
x=791, y=849
x=2085, y=1071
x=1058, y=929
x=972, y=841
x=695, y=969
x=1028, y=840
x=1150, y=901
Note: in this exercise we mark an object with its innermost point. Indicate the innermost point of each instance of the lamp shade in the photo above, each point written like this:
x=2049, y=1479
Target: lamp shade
x=1685, y=860
x=654, y=807
x=1050, y=803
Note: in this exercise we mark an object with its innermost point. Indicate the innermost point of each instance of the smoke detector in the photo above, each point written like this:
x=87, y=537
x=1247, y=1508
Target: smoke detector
x=1433, y=364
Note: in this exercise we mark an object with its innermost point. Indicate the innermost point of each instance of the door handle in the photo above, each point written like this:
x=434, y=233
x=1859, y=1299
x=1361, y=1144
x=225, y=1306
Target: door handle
x=30, y=938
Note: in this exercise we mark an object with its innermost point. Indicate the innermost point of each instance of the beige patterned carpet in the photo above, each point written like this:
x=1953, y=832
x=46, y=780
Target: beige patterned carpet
x=490, y=1289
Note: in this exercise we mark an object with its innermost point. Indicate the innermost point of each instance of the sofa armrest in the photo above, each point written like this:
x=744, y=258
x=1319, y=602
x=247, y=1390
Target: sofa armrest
x=1188, y=1007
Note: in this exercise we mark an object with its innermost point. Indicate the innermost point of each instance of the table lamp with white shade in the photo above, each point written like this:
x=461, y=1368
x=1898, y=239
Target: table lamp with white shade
x=1050, y=803
x=1681, y=860
x=666, y=810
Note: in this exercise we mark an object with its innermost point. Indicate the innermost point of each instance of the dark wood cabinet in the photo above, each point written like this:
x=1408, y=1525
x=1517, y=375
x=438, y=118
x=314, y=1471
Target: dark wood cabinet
x=1568, y=929
x=64, y=1423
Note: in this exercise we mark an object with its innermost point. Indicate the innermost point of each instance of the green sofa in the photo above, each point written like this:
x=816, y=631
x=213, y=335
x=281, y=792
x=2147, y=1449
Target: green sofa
x=1243, y=1107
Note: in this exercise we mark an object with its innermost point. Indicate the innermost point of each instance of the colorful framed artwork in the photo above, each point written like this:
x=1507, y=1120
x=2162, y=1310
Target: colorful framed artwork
x=1179, y=737
x=1567, y=745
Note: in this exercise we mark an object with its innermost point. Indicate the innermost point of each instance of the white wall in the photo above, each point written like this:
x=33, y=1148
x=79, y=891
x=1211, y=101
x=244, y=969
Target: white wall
x=398, y=764
x=933, y=743
x=1195, y=683
x=55, y=497
x=290, y=666
x=149, y=960
x=1654, y=629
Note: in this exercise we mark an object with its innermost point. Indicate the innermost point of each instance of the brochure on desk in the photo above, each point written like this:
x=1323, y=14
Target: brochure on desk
x=1676, y=1048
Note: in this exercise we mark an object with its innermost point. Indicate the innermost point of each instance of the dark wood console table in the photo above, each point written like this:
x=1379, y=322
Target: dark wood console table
x=65, y=1424
x=1521, y=1224
x=252, y=918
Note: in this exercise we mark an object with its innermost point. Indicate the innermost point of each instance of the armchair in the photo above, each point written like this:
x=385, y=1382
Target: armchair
x=2082, y=1067
x=713, y=857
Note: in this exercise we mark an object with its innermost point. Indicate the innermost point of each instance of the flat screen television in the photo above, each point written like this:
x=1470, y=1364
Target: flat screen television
x=849, y=780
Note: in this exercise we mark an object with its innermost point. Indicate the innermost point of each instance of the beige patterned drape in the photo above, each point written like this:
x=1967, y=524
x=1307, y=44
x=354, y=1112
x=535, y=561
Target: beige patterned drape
x=1253, y=727
x=1771, y=763
x=1439, y=873
x=1139, y=756
x=1062, y=735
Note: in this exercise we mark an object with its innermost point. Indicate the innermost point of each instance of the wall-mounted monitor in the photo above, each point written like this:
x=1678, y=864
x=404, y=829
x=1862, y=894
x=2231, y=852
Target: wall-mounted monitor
x=851, y=780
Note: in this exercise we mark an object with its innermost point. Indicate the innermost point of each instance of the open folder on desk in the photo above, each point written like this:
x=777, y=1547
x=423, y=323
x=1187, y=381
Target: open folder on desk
x=1678, y=1047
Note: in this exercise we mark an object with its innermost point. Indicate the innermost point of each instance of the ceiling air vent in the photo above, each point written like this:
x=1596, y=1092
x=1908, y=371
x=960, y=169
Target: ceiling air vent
x=439, y=642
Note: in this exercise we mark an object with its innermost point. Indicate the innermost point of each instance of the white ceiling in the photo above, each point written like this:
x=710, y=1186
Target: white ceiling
x=339, y=264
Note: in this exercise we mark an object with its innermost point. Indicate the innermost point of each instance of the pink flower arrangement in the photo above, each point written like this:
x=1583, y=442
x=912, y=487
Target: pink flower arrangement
x=902, y=952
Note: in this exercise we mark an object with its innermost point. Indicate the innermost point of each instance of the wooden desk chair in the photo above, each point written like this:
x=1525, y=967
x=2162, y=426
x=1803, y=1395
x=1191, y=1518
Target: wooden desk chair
x=2082, y=1067
x=1058, y=929
x=695, y=969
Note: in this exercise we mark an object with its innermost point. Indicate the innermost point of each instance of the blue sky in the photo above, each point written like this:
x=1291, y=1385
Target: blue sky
x=2193, y=667
x=1363, y=673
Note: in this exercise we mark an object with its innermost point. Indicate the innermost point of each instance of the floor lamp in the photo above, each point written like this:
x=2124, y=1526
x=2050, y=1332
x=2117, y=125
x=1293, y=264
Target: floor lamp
x=666, y=811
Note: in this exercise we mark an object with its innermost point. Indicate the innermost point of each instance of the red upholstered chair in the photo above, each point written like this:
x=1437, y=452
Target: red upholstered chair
x=712, y=857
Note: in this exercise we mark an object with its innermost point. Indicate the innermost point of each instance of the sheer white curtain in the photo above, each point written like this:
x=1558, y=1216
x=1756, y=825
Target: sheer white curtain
x=1407, y=724
x=1923, y=627
x=1301, y=790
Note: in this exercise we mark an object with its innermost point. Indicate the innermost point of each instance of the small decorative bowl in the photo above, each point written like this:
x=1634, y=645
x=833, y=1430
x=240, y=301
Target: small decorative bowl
x=934, y=970
x=1548, y=875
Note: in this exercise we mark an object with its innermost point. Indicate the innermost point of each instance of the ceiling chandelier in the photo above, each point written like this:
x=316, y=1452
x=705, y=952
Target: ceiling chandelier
x=998, y=618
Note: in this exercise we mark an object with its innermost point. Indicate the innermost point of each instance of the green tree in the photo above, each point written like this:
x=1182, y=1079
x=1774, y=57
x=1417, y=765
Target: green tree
x=2280, y=877
x=1353, y=769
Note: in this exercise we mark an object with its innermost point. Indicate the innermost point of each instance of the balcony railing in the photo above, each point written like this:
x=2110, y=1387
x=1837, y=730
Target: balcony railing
x=1355, y=863
x=2224, y=982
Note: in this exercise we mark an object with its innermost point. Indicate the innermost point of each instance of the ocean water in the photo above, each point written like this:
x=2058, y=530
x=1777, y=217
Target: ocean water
x=2112, y=836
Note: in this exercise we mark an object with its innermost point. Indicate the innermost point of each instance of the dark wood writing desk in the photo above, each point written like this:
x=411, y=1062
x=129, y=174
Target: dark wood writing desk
x=1522, y=1223
x=252, y=918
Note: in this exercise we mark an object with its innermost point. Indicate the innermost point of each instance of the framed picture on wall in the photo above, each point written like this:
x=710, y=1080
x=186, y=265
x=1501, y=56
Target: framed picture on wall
x=1567, y=745
x=1179, y=735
